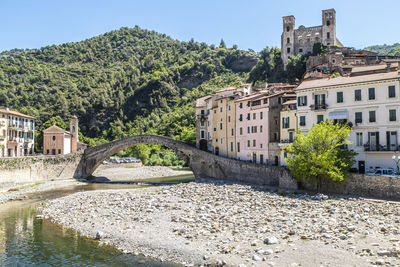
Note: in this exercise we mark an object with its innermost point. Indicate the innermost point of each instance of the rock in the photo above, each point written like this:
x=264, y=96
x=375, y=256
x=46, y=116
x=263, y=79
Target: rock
x=254, y=243
x=257, y=258
x=383, y=253
x=351, y=228
x=268, y=252
x=99, y=235
x=380, y=262
x=271, y=240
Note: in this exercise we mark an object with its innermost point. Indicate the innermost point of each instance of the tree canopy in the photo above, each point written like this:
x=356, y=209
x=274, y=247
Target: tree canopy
x=321, y=154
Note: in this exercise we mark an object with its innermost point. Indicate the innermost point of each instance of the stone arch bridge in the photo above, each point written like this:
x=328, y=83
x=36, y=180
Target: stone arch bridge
x=202, y=163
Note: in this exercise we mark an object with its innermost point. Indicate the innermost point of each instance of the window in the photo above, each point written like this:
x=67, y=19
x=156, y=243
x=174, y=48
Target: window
x=254, y=116
x=215, y=129
x=261, y=115
x=339, y=97
x=241, y=130
x=202, y=123
x=254, y=143
x=229, y=118
x=248, y=129
x=220, y=109
x=301, y=50
x=358, y=116
x=238, y=146
x=202, y=134
x=240, y=105
x=54, y=138
x=261, y=128
x=220, y=125
x=215, y=111
x=359, y=139
x=320, y=118
x=229, y=107
x=392, y=115
x=248, y=116
x=357, y=95
x=302, y=100
x=232, y=132
x=221, y=140
x=231, y=146
x=288, y=40
x=392, y=91
x=285, y=122
x=288, y=49
x=266, y=101
x=255, y=129
x=372, y=117
x=302, y=121
x=328, y=22
x=240, y=117
x=59, y=151
x=275, y=136
x=371, y=93
x=202, y=112
x=248, y=143
x=319, y=100
x=328, y=35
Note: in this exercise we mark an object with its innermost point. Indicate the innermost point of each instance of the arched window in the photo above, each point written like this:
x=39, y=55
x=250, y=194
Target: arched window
x=288, y=49
x=54, y=138
x=287, y=28
x=328, y=22
x=288, y=40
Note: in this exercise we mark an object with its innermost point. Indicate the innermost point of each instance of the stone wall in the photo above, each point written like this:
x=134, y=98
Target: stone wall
x=14, y=171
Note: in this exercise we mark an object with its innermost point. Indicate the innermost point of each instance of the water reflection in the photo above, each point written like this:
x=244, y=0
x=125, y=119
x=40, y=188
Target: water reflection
x=28, y=241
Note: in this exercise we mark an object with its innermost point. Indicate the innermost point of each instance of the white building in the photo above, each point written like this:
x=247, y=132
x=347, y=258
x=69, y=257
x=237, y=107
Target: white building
x=371, y=103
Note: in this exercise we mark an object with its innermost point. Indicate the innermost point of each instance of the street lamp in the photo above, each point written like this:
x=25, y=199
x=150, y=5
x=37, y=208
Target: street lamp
x=397, y=161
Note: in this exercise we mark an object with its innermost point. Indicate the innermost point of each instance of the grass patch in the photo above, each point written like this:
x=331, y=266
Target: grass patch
x=25, y=186
x=131, y=167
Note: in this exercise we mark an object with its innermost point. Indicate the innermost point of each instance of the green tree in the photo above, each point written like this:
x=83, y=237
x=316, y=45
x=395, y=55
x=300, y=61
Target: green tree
x=222, y=44
x=295, y=68
x=320, y=155
x=319, y=49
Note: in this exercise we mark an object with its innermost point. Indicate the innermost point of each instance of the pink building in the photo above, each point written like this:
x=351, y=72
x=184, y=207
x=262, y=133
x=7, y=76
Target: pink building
x=252, y=133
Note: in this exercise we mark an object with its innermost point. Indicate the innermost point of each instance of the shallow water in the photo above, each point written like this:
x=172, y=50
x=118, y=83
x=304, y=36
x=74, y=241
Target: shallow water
x=28, y=241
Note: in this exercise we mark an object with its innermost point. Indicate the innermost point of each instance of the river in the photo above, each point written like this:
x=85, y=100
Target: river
x=29, y=241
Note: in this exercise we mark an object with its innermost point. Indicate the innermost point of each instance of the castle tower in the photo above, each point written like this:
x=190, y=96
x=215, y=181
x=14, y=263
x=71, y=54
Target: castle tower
x=74, y=134
x=287, y=38
x=329, y=27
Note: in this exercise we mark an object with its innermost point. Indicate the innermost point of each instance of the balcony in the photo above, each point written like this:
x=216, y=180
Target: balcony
x=380, y=148
x=202, y=117
x=319, y=107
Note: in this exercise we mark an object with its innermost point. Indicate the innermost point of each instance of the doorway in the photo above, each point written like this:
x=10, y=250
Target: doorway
x=361, y=167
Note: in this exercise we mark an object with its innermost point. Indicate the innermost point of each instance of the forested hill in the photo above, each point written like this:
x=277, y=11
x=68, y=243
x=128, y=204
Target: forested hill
x=124, y=82
x=386, y=50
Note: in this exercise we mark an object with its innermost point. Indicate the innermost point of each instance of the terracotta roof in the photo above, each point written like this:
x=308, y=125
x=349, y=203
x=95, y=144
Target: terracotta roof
x=290, y=102
x=16, y=113
x=372, y=67
x=347, y=80
x=56, y=128
x=250, y=97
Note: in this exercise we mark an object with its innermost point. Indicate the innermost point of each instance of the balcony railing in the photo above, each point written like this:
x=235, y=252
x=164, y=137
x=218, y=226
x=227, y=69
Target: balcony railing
x=202, y=117
x=378, y=147
x=319, y=107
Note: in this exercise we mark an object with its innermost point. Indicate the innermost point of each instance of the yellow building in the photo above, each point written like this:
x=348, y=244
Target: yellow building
x=288, y=127
x=224, y=126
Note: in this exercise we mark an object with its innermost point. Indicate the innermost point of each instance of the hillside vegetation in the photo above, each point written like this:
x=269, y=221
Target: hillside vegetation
x=125, y=82
x=385, y=50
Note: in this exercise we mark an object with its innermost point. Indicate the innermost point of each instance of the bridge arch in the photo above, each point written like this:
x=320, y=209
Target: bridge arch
x=94, y=156
x=202, y=163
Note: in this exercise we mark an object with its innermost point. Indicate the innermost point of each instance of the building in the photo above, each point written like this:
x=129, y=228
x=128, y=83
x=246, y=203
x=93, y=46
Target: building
x=301, y=41
x=57, y=141
x=252, y=133
x=370, y=103
x=288, y=127
x=209, y=119
x=17, y=134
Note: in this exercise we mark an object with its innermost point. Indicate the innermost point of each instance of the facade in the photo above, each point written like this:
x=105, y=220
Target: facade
x=17, y=134
x=209, y=120
x=252, y=133
x=370, y=103
x=288, y=127
x=57, y=141
x=301, y=41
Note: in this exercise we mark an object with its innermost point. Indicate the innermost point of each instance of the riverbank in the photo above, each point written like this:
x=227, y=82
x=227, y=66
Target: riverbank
x=216, y=223
x=131, y=172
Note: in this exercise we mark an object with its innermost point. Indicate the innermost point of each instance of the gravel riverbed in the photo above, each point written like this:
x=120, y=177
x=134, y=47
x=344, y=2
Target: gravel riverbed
x=213, y=223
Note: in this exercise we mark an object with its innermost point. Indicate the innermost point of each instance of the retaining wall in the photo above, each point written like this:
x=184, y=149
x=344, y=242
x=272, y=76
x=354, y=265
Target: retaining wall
x=14, y=171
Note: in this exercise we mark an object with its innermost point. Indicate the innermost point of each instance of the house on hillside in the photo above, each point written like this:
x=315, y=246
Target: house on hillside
x=57, y=141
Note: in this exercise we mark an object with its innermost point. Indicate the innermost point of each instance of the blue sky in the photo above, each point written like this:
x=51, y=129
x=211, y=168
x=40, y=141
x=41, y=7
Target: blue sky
x=251, y=24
